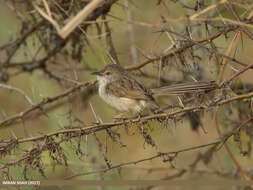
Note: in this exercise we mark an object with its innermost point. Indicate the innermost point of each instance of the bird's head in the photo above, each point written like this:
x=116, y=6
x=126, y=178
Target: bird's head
x=110, y=73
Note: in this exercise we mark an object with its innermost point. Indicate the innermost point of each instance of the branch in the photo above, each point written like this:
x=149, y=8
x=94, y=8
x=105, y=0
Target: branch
x=215, y=143
x=21, y=115
x=90, y=129
x=182, y=49
x=158, y=155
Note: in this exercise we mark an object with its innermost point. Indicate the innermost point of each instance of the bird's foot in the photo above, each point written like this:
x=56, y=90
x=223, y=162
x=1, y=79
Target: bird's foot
x=119, y=117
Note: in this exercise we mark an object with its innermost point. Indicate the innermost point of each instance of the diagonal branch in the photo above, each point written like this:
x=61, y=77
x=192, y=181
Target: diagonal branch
x=48, y=100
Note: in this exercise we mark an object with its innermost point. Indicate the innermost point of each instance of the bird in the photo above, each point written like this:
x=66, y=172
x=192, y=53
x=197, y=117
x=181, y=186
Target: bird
x=118, y=88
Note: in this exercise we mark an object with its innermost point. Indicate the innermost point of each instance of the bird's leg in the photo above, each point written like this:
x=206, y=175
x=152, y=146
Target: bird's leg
x=119, y=117
x=156, y=110
x=138, y=117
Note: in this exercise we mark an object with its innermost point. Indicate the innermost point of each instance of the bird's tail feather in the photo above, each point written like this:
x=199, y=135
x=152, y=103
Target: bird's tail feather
x=179, y=89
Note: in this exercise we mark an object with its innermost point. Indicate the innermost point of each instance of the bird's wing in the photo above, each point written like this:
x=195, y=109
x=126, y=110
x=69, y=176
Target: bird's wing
x=128, y=88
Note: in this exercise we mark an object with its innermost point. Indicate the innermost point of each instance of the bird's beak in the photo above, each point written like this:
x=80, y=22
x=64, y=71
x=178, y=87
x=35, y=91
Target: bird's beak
x=96, y=73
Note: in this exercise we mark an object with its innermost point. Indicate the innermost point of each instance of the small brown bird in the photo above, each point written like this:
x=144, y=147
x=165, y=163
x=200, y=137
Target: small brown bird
x=122, y=91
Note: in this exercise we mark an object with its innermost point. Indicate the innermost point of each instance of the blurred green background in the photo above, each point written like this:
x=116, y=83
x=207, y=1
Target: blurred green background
x=148, y=41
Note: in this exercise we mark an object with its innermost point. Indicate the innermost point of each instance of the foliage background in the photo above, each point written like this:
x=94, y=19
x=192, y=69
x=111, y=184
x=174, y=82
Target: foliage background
x=89, y=50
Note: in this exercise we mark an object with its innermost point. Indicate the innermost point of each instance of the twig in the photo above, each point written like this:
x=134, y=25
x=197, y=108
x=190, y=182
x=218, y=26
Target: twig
x=211, y=50
x=47, y=17
x=179, y=50
x=71, y=25
x=228, y=53
x=82, y=15
x=9, y=87
x=193, y=17
x=243, y=173
x=47, y=8
x=158, y=155
x=234, y=76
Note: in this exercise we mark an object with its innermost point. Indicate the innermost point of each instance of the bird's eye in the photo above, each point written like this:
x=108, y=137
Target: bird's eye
x=107, y=73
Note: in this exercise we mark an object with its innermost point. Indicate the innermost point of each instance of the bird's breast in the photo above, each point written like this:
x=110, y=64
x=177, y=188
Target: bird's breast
x=122, y=104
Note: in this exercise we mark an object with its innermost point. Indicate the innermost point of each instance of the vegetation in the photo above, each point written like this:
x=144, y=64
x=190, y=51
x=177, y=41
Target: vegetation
x=55, y=127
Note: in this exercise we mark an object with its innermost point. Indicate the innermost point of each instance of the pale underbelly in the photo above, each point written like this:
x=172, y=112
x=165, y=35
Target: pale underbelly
x=125, y=104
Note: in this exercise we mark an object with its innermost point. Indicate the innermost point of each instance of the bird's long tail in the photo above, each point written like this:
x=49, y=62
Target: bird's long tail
x=179, y=89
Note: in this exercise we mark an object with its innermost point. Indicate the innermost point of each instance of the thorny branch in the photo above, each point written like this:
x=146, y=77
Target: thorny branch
x=172, y=155
x=77, y=131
